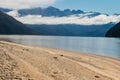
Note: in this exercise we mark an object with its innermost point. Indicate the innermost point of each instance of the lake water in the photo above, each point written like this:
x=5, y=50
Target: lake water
x=101, y=46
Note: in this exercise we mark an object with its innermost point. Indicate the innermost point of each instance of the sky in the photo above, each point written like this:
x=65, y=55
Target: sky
x=103, y=6
x=22, y=4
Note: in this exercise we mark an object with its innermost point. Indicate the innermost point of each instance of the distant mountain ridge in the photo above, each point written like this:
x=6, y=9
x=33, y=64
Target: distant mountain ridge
x=72, y=30
x=5, y=10
x=8, y=25
x=50, y=11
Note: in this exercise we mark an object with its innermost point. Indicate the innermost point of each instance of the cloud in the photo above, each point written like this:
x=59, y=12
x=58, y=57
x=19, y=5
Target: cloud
x=21, y=4
x=81, y=19
x=13, y=13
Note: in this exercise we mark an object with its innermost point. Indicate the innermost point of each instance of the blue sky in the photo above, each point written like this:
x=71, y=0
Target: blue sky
x=104, y=6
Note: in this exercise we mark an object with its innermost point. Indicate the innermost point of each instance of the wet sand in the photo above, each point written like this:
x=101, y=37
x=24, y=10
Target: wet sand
x=23, y=62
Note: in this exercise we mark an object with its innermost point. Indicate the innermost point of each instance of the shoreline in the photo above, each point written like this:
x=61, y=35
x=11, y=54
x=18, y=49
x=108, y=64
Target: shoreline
x=54, y=64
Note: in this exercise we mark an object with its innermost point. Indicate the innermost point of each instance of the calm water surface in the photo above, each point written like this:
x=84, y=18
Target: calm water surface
x=101, y=46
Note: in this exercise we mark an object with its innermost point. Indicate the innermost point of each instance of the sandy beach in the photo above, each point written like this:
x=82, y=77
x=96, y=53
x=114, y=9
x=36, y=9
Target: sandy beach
x=23, y=62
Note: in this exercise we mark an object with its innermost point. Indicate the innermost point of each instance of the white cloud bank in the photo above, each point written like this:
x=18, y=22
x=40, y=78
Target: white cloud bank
x=82, y=19
x=21, y=4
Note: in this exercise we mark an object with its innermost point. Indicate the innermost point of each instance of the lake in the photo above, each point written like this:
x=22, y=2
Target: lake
x=94, y=45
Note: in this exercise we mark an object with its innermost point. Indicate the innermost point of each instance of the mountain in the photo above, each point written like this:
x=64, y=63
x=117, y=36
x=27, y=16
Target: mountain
x=5, y=10
x=53, y=11
x=114, y=31
x=9, y=25
x=49, y=11
x=64, y=29
x=72, y=30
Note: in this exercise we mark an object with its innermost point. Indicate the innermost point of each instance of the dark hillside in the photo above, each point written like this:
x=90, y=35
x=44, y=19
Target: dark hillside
x=114, y=31
x=9, y=25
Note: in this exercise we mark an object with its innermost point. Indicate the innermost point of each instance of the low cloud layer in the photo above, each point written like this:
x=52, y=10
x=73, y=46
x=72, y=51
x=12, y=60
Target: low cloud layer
x=82, y=19
x=21, y=4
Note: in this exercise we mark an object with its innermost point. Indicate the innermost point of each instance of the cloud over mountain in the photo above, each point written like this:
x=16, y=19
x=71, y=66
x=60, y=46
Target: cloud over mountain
x=21, y=4
x=82, y=19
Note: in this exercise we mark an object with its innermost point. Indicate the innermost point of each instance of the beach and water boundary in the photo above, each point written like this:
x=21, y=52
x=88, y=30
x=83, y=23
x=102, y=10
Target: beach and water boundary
x=39, y=63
